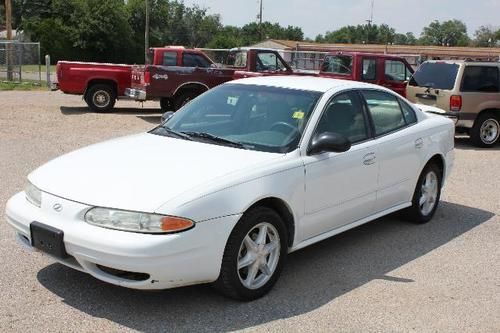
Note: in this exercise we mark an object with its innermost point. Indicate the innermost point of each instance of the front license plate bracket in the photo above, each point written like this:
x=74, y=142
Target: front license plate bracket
x=48, y=239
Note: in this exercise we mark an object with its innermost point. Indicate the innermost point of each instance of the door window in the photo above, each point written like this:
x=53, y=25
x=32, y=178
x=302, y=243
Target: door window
x=195, y=60
x=369, y=70
x=385, y=111
x=480, y=79
x=344, y=115
x=170, y=59
x=268, y=61
x=396, y=70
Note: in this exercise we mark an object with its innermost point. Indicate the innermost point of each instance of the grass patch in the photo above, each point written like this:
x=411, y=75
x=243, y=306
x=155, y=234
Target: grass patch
x=25, y=85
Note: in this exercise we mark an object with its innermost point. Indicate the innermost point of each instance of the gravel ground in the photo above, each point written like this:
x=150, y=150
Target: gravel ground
x=387, y=276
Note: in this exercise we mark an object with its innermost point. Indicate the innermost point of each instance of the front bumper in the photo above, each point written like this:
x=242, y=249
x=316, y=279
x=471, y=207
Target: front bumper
x=168, y=261
x=137, y=94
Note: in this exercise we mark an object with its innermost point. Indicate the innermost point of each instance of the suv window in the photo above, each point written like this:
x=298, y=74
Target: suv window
x=195, y=60
x=396, y=70
x=344, y=115
x=268, y=61
x=339, y=64
x=369, y=70
x=480, y=79
x=170, y=59
x=385, y=111
x=437, y=75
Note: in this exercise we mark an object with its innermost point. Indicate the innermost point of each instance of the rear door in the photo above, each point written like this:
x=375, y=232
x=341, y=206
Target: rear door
x=368, y=70
x=433, y=84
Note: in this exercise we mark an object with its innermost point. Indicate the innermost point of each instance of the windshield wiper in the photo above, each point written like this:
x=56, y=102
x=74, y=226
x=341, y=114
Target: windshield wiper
x=171, y=132
x=214, y=138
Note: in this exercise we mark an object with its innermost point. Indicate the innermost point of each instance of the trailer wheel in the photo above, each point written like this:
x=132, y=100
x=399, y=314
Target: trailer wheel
x=100, y=97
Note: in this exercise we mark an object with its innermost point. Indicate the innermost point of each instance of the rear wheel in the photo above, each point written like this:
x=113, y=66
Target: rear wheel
x=166, y=104
x=486, y=130
x=426, y=196
x=254, y=255
x=184, y=98
x=100, y=97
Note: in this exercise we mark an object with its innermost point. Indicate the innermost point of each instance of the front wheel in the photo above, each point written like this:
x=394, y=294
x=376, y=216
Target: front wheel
x=100, y=97
x=254, y=255
x=486, y=131
x=426, y=196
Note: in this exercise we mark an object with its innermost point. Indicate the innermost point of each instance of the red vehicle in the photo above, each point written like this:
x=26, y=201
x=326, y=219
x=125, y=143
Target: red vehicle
x=102, y=84
x=193, y=74
x=389, y=71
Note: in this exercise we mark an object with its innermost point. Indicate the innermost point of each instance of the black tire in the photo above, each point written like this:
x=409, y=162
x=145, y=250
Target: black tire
x=486, y=130
x=166, y=104
x=415, y=213
x=230, y=279
x=184, y=98
x=100, y=97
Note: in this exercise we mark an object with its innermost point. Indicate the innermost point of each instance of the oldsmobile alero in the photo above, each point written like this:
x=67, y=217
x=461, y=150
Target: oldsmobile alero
x=238, y=178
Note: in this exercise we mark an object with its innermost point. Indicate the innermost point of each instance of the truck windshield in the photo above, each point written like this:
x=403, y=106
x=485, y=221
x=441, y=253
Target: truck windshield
x=337, y=64
x=436, y=75
x=244, y=116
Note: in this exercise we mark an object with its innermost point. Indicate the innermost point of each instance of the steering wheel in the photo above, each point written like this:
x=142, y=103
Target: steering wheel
x=290, y=129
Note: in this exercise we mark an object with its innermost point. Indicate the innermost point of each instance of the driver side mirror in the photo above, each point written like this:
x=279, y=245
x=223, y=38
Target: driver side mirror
x=166, y=116
x=328, y=142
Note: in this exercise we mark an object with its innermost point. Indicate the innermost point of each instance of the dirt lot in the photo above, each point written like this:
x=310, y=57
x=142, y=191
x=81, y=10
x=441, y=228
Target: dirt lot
x=387, y=276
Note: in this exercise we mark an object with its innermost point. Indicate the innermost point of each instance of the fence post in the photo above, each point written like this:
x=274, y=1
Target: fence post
x=39, y=66
x=47, y=68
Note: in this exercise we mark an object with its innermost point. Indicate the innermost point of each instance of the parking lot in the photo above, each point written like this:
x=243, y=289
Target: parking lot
x=386, y=276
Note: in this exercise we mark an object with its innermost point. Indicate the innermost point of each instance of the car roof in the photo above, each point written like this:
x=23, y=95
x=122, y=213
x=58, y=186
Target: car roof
x=307, y=83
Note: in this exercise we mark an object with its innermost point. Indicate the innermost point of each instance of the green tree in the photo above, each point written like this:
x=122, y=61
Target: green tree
x=485, y=36
x=448, y=33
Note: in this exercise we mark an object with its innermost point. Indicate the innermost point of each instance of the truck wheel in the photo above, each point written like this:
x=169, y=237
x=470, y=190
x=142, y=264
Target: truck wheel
x=166, y=104
x=184, y=98
x=486, y=130
x=100, y=97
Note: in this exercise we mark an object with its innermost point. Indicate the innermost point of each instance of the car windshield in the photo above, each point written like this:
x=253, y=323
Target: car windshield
x=251, y=117
x=436, y=75
x=339, y=64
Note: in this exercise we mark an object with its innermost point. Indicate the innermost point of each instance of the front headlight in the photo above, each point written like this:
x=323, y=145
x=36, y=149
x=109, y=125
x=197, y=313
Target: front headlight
x=136, y=221
x=33, y=194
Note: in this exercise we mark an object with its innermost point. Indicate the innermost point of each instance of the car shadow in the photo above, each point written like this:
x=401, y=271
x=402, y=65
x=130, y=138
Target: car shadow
x=464, y=143
x=79, y=110
x=312, y=278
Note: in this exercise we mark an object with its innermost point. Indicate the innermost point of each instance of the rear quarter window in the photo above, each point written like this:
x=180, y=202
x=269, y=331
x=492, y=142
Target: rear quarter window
x=437, y=75
x=480, y=79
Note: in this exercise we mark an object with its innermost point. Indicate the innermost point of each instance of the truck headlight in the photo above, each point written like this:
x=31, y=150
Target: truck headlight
x=136, y=221
x=33, y=194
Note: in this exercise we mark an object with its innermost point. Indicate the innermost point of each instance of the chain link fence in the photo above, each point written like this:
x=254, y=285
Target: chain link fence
x=20, y=61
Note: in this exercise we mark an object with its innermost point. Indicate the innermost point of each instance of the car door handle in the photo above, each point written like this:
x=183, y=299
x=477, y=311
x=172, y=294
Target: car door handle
x=419, y=143
x=369, y=159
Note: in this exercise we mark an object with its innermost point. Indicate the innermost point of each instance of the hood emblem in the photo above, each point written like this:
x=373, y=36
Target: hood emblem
x=57, y=207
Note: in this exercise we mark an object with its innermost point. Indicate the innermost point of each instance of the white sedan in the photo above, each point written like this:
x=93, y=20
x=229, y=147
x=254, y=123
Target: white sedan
x=238, y=178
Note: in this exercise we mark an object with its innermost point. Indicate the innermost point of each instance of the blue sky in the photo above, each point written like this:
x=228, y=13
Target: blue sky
x=318, y=16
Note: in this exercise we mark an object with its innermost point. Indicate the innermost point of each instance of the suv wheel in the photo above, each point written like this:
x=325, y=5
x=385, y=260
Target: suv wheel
x=486, y=131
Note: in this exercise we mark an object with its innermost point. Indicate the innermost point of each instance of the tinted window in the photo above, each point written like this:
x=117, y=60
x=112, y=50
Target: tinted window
x=195, y=60
x=170, y=59
x=344, y=115
x=480, y=79
x=385, y=111
x=369, y=69
x=408, y=112
x=437, y=75
x=396, y=70
x=339, y=64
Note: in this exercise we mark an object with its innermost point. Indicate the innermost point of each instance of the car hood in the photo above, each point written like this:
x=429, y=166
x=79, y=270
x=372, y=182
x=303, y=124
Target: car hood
x=141, y=172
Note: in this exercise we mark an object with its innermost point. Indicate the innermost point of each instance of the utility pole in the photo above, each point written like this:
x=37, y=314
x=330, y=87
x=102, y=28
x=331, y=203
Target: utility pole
x=146, y=34
x=370, y=21
x=260, y=22
x=8, y=26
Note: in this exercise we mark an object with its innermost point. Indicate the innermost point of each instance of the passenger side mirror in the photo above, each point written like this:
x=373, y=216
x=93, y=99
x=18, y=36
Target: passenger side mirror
x=166, y=116
x=328, y=142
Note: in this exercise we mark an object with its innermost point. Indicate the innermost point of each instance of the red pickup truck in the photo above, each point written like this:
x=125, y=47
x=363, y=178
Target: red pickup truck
x=389, y=71
x=188, y=74
x=102, y=84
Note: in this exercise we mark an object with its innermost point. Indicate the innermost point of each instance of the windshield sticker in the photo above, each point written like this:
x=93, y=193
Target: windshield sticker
x=298, y=115
x=231, y=100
